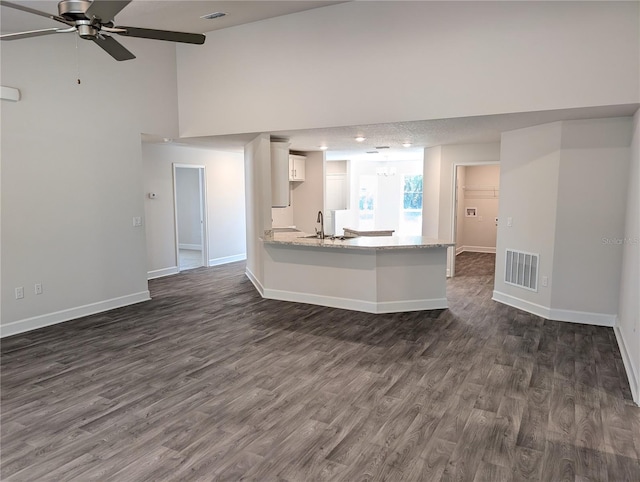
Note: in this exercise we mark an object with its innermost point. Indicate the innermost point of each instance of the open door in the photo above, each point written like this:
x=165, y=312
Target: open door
x=190, y=213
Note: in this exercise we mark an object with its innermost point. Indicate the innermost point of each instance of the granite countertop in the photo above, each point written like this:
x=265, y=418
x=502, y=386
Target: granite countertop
x=366, y=242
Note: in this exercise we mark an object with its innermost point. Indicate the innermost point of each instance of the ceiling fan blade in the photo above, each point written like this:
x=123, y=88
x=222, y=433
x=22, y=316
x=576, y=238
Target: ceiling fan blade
x=35, y=12
x=35, y=33
x=113, y=48
x=105, y=10
x=168, y=35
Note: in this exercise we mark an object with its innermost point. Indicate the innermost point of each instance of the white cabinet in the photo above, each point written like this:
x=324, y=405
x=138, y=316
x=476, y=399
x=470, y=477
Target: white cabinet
x=296, y=167
x=279, y=174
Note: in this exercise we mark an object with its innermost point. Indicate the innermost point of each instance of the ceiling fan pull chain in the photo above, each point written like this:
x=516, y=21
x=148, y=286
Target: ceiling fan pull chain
x=77, y=61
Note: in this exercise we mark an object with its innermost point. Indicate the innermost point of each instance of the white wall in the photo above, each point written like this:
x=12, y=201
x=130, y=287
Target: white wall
x=225, y=204
x=592, y=194
x=307, y=197
x=283, y=217
x=339, y=65
x=628, y=324
x=431, y=195
x=72, y=174
x=257, y=173
x=188, y=206
x=529, y=165
x=581, y=169
x=479, y=233
x=439, y=166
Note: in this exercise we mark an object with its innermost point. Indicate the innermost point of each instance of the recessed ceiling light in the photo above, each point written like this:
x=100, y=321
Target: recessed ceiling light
x=167, y=139
x=406, y=144
x=323, y=148
x=211, y=16
x=360, y=139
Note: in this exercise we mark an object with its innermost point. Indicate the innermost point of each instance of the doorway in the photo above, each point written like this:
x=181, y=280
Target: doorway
x=190, y=212
x=475, y=212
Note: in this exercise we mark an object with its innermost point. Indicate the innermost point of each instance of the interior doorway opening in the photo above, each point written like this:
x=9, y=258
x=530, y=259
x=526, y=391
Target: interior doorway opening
x=189, y=183
x=475, y=210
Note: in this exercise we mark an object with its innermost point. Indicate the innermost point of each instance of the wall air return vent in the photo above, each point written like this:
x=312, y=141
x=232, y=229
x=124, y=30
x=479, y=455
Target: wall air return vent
x=521, y=269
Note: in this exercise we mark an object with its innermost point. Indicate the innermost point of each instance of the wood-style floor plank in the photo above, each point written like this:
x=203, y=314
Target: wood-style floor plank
x=210, y=382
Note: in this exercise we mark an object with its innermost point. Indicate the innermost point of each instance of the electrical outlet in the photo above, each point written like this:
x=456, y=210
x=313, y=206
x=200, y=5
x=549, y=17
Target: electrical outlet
x=545, y=281
x=37, y=288
x=19, y=293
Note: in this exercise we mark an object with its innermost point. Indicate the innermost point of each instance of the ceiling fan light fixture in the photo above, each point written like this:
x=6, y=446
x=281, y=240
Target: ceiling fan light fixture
x=211, y=16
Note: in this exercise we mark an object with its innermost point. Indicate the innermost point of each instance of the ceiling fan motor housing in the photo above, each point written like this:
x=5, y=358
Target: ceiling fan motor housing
x=74, y=9
x=86, y=30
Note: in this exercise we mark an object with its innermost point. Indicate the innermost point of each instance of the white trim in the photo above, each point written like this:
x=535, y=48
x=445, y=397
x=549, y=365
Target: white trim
x=204, y=211
x=571, y=316
x=41, y=321
x=475, y=249
x=255, y=281
x=634, y=381
x=227, y=259
x=584, y=317
x=357, y=305
x=159, y=273
x=194, y=247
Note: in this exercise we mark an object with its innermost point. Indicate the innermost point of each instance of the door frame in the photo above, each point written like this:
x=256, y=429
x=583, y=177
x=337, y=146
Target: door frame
x=202, y=184
x=451, y=258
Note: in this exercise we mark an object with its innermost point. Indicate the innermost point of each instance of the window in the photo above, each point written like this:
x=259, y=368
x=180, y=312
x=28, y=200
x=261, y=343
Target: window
x=412, y=192
x=411, y=216
x=367, y=201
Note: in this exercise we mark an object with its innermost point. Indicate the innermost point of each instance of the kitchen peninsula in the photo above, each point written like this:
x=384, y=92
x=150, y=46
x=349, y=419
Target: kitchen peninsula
x=379, y=274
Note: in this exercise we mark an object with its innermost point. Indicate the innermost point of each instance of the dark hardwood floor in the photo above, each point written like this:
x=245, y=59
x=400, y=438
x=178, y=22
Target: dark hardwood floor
x=210, y=382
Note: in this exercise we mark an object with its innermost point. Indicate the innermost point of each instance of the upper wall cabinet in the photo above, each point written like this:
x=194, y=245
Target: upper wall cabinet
x=296, y=167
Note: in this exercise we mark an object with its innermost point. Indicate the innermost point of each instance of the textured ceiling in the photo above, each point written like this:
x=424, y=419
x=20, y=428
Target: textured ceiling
x=183, y=16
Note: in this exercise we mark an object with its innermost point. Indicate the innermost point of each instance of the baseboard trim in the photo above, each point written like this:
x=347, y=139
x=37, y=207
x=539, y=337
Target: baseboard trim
x=584, y=317
x=227, y=259
x=28, y=324
x=357, y=305
x=255, y=281
x=475, y=249
x=194, y=247
x=159, y=273
x=632, y=376
x=570, y=316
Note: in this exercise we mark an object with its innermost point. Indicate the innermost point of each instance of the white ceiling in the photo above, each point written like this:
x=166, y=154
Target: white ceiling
x=182, y=16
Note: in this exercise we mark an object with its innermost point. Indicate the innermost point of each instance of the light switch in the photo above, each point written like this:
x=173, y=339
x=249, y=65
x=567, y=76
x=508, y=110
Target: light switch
x=137, y=221
x=509, y=222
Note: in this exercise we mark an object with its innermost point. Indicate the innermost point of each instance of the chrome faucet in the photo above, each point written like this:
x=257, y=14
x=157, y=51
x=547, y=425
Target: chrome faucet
x=321, y=221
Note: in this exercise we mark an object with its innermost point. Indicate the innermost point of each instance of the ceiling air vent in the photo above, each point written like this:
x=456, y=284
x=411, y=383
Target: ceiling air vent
x=382, y=147
x=211, y=16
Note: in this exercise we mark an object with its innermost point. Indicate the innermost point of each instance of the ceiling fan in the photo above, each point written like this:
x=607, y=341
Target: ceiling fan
x=92, y=19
